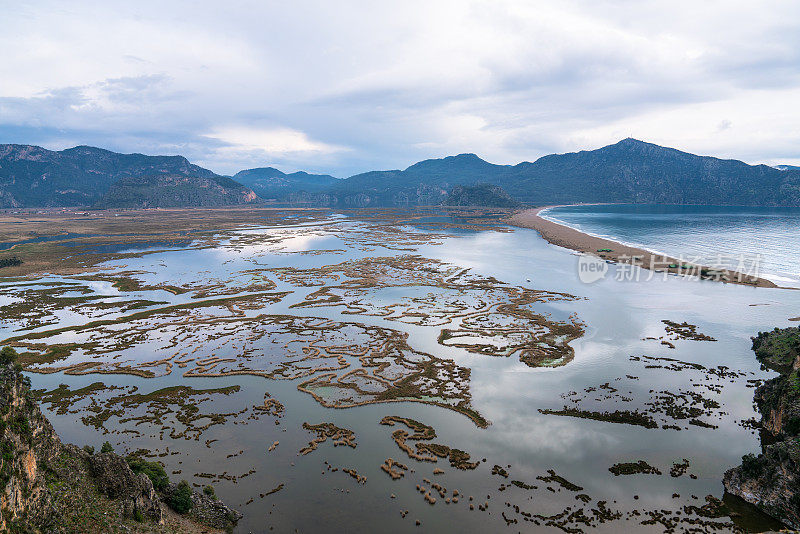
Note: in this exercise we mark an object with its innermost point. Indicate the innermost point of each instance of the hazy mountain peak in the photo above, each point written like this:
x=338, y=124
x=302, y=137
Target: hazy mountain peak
x=460, y=162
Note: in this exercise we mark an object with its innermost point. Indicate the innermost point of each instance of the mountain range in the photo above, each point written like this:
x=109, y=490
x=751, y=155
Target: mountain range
x=629, y=171
x=270, y=183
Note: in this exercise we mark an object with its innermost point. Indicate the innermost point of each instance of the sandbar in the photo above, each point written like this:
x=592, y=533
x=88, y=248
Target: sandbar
x=566, y=237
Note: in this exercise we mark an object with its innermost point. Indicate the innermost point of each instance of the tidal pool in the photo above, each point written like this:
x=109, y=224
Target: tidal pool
x=227, y=356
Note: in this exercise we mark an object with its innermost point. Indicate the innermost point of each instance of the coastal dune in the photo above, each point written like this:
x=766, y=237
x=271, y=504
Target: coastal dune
x=564, y=236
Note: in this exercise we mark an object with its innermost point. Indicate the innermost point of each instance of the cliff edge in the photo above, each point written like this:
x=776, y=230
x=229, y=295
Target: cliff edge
x=48, y=486
x=771, y=480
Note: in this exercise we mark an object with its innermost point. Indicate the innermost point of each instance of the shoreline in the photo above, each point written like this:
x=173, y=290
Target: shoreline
x=614, y=251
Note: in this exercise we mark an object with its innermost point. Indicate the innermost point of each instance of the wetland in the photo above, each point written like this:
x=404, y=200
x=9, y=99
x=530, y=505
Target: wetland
x=418, y=369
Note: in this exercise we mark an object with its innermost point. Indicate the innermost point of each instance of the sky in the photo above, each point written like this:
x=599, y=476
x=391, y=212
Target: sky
x=349, y=86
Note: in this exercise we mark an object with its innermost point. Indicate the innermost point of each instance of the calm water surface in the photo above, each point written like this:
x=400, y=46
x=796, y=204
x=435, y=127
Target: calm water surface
x=618, y=317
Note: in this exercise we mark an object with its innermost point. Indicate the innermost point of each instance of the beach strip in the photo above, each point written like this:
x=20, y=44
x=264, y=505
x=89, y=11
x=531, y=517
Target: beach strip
x=606, y=249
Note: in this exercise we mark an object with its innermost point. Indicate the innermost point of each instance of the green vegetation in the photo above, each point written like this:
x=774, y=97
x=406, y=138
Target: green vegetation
x=181, y=498
x=626, y=417
x=11, y=261
x=106, y=448
x=8, y=355
x=751, y=466
x=777, y=350
x=634, y=468
x=209, y=491
x=154, y=471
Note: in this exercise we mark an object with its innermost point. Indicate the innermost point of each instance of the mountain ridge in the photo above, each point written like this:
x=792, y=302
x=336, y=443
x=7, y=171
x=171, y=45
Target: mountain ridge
x=32, y=176
x=629, y=171
x=269, y=182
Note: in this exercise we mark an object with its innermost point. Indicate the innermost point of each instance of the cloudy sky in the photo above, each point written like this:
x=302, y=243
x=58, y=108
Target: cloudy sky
x=343, y=87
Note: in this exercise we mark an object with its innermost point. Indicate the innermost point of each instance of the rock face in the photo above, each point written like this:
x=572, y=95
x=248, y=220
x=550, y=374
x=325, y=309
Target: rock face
x=48, y=486
x=115, y=479
x=209, y=511
x=174, y=190
x=29, y=444
x=771, y=480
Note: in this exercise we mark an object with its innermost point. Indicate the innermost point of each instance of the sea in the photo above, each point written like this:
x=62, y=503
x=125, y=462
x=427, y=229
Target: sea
x=764, y=239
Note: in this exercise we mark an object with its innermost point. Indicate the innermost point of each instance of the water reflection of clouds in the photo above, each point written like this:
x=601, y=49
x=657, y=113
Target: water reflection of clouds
x=504, y=390
x=5, y=300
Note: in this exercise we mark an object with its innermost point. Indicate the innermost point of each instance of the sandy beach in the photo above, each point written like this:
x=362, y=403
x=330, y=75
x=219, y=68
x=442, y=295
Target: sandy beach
x=564, y=236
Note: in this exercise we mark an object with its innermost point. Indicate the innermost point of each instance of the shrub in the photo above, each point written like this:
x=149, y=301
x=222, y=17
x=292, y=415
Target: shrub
x=792, y=427
x=20, y=425
x=138, y=516
x=751, y=466
x=89, y=449
x=106, y=447
x=209, y=490
x=154, y=471
x=181, y=498
x=7, y=355
x=10, y=261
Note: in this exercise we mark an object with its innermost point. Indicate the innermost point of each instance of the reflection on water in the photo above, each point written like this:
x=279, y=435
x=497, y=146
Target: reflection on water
x=243, y=323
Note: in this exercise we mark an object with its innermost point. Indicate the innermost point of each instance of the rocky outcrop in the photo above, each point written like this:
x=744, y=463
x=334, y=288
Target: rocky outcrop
x=208, y=510
x=28, y=444
x=135, y=492
x=771, y=480
x=48, y=486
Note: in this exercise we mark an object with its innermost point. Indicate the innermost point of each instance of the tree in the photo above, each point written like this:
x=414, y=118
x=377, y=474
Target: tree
x=154, y=471
x=181, y=498
x=8, y=355
x=106, y=447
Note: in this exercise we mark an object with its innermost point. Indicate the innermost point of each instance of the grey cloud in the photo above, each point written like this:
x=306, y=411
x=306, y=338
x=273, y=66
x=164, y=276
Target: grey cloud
x=395, y=84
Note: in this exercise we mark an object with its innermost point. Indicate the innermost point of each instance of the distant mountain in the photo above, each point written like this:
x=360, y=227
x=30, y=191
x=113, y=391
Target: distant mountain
x=629, y=171
x=787, y=167
x=480, y=195
x=638, y=172
x=80, y=176
x=424, y=183
x=270, y=183
x=173, y=190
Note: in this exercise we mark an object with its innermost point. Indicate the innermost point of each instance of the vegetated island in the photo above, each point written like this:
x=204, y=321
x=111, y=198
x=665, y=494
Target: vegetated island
x=771, y=480
x=50, y=486
x=606, y=249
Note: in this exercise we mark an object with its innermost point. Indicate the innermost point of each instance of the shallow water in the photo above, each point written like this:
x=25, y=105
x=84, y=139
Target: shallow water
x=617, y=316
x=699, y=231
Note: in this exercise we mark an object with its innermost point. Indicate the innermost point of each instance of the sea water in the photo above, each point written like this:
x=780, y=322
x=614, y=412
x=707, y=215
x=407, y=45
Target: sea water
x=769, y=235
